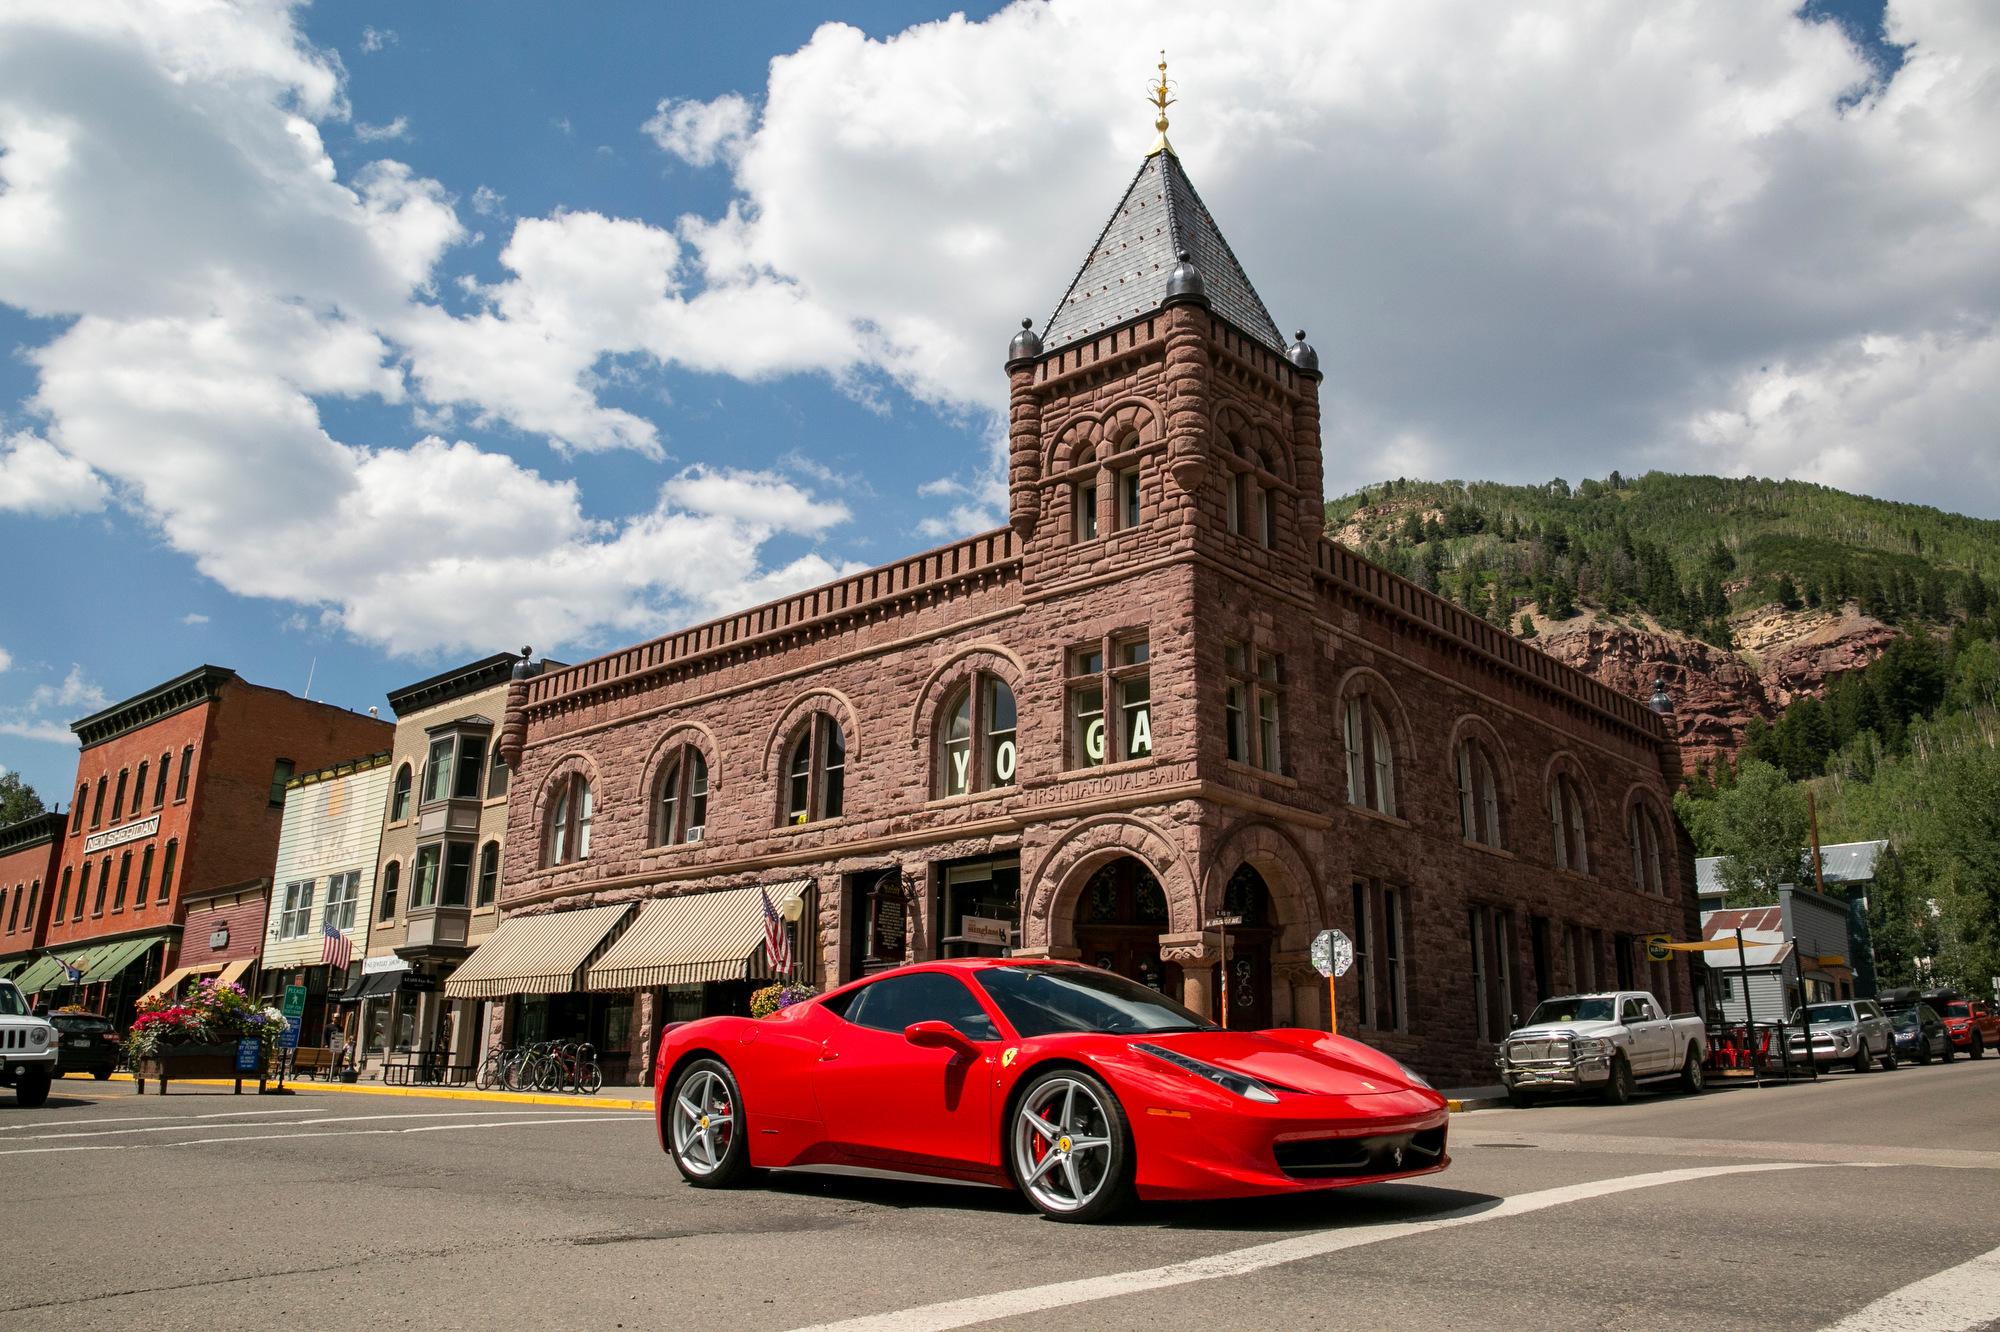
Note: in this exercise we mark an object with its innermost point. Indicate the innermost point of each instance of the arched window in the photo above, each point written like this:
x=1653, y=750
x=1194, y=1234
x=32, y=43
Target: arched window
x=489, y=874
x=1478, y=795
x=682, y=811
x=14, y=913
x=97, y=805
x=392, y=876
x=103, y=886
x=82, y=891
x=34, y=900
x=975, y=738
x=399, y=804
x=166, y=870
x=139, y=896
x=62, y=899
x=139, y=788
x=1567, y=824
x=124, y=881
x=1083, y=495
x=816, y=772
x=568, y=835
x=160, y=781
x=1371, y=761
x=1648, y=874
x=187, y=771
x=76, y=809
x=118, y=795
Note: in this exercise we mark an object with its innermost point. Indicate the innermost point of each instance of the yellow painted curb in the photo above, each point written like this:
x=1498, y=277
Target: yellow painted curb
x=435, y=1093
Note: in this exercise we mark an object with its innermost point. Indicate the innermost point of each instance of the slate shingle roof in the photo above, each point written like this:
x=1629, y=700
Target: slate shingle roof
x=1126, y=273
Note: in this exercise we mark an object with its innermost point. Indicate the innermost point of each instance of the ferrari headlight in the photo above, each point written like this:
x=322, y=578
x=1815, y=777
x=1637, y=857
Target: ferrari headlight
x=1415, y=1077
x=1247, y=1087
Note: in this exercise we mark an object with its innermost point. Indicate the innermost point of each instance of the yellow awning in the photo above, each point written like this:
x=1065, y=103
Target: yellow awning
x=692, y=938
x=535, y=954
x=172, y=980
x=233, y=971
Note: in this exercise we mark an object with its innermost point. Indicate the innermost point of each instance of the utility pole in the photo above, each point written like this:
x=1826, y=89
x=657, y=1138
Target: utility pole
x=1812, y=817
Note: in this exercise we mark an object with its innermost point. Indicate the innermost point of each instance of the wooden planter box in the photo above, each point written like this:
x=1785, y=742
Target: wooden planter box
x=194, y=1061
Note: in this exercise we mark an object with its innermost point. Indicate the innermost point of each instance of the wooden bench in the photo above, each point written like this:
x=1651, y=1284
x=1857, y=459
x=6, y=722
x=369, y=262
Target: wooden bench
x=316, y=1060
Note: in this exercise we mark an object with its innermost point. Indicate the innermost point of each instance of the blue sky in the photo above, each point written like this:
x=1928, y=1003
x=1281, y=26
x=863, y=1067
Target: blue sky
x=354, y=340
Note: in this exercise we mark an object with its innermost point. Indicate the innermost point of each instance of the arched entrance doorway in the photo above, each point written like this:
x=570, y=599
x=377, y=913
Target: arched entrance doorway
x=1245, y=924
x=1120, y=915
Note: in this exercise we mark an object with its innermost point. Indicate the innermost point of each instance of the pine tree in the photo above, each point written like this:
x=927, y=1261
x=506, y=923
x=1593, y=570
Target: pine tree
x=1787, y=592
x=1527, y=625
x=1561, y=603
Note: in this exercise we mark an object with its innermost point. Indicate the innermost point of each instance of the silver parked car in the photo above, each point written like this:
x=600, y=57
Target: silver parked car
x=1855, y=1032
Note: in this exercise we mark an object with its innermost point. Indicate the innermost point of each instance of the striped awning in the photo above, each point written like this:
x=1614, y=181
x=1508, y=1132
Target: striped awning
x=535, y=954
x=112, y=959
x=48, y=973
x=12, y=965
x=692, y=938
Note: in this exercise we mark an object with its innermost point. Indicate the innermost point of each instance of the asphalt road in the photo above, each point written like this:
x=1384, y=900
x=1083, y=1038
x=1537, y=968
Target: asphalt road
x=1794, y=1207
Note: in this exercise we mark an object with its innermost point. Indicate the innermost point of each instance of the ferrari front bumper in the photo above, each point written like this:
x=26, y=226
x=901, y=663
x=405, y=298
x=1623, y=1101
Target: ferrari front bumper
x=1302, y=1144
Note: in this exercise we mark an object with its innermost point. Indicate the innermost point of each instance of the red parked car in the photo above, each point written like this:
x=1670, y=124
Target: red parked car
x=1076, y=1086
x=1972, y=1024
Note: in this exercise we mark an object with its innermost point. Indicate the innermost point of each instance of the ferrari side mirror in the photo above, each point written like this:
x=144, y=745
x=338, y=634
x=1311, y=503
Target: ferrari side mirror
x=937, y=1035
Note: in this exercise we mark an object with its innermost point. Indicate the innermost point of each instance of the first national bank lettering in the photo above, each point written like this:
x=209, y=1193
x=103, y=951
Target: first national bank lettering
x=1158, y=697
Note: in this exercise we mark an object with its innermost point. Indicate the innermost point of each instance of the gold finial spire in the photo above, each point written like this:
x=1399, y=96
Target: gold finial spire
x=1158, y=95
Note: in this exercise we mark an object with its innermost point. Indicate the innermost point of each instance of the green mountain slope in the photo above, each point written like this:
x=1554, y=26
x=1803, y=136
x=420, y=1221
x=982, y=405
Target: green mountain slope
x=1687, y=550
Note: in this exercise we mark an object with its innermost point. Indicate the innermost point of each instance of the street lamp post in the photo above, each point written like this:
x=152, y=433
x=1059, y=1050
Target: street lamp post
x=792, y=910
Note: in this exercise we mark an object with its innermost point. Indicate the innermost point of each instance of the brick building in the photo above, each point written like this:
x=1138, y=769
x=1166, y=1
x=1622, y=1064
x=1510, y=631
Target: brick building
x=30, y=860
x=1156, y=721
x=180, y=790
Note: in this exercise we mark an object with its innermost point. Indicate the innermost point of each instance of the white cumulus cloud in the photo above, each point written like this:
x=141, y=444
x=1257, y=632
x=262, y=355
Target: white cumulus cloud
x=399, y=128
x=37, y=477
x=701, y=133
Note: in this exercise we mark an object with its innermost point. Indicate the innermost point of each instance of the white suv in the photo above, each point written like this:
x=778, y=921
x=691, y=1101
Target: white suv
x=27, y=1049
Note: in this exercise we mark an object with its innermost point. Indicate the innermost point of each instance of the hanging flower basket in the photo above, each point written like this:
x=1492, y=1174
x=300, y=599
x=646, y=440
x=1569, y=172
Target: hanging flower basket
x=771, y=998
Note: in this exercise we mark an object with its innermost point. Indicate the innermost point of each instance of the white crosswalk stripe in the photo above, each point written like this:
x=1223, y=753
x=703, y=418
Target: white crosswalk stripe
x=1954, y=1300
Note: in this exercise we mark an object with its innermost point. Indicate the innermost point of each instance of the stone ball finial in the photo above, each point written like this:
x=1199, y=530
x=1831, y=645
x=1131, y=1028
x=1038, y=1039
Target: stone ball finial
x=1661, y=701
x=1184, y=284
x=1301, y=353
x=1026, y=345
x=521, y=666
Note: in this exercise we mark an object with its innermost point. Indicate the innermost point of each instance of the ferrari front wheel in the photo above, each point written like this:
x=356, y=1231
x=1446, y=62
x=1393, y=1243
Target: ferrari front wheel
x=705, y=1118
x=1069, y=1147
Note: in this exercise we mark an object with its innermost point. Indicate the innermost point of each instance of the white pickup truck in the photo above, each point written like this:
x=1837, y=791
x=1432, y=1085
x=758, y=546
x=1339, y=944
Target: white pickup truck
x=1608, y=1043
x=27, y=1049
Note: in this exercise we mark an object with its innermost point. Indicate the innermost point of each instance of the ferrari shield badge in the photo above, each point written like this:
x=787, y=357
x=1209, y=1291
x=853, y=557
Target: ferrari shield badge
x=1007, y=1056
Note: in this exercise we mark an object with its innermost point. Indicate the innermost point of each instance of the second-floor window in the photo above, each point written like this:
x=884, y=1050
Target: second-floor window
x=976, y=749
x=816, y=772
x=1566, y=821
x=82, y=891
x=567, y=836
x=392, y=874
x=683, y=804
x=62, y=898
x=489, y=873
x=124, y=882
x=1478, y=795
x=145, y=877
x=343, y=899
x=1647, y=861
x=118, y=796
x=76, y=809
x=1253, y=706
x=181, y=777
x=281, y=776
x=167, y=869
x=1110, y=705
x=160, y=781
x=424, y=876
x=1371, y=760
x=296, y=915
x=97, y=804
x=399, y=800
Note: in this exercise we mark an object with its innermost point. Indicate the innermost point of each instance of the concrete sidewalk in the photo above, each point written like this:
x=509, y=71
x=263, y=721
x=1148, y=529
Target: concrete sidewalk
x=1473, y=1098
x=615, y=1098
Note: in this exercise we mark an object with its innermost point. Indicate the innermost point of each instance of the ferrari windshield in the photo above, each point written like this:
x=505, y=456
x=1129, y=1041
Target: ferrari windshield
x=1041, y=1001
x=1572, y=1009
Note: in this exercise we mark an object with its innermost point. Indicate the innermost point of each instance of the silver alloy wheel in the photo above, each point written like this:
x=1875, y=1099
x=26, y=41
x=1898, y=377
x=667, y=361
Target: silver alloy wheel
x=1062, y=1145
x=704, y=1122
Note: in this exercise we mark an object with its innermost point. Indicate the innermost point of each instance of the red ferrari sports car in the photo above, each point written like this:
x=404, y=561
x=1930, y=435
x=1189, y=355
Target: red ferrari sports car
x=1074, y=1085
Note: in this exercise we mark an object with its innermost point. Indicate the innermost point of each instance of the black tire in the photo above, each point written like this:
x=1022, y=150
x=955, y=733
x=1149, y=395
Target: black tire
x=1618, y=1089
x=1114, y=1190
x=1521, y=1098
x=1978, y=1045
x=102, y=1074
x=1863, y=1061
x=1924, y=1055
x=1950, y=1051
x=732, y=1165
x=32, y=1090
x=1694, y=1078
x=589, y=1079
x=1891, y=1061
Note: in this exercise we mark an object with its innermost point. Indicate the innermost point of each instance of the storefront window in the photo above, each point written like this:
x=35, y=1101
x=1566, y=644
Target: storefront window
x=982, y=908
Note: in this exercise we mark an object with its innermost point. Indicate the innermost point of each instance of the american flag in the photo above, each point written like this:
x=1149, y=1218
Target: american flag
x=334, y=950
x=777, y=945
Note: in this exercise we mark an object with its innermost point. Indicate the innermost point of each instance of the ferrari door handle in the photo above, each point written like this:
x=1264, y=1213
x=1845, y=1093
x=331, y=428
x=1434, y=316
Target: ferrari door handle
x=825, y=1055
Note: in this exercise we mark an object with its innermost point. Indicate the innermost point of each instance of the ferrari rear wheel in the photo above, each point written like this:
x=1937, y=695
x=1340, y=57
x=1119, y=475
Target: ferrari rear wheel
x=705, y=1118
x=1070, y=1148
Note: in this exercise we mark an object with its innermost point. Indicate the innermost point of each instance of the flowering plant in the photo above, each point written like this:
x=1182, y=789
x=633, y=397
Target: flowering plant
x=213, y=1013
x=771, y=998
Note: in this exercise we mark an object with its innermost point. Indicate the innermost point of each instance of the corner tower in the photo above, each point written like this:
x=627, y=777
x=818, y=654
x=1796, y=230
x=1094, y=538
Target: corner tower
x=1160, y=411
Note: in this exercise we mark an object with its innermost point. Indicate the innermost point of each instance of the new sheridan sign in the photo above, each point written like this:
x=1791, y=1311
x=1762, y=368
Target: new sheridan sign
x=131, y=832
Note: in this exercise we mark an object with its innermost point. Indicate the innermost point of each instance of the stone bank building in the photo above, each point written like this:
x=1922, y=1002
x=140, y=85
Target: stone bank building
x=1158, y=722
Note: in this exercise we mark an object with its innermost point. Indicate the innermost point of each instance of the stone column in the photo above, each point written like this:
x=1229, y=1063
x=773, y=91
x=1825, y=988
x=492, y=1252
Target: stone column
x=1300, y=989
x=1197, y=956
x=1308, y=463
x=1024, y=447
x=1186, y=390
x=643, y=1028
